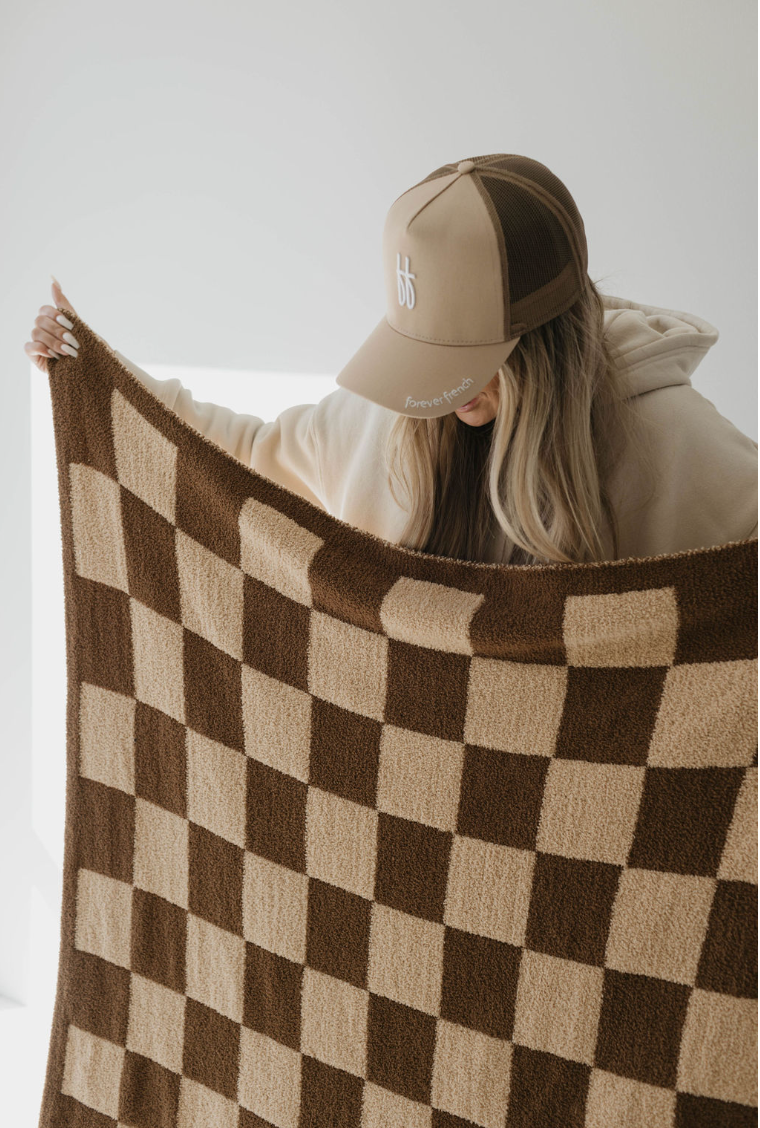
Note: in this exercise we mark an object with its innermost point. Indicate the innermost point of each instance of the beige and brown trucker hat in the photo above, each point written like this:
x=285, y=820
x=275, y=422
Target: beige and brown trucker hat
x=474, y=255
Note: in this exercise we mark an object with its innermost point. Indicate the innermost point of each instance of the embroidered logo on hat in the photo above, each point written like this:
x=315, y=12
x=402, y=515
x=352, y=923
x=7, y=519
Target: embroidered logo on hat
x=406, y=292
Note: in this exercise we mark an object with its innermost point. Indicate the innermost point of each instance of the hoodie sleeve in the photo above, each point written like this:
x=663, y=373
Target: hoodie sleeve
x=284, y=450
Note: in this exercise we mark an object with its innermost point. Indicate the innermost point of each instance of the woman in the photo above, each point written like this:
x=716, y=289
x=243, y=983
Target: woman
x=587, y=444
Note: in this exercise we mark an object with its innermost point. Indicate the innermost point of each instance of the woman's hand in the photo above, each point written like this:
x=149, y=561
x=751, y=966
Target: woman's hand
x=51, y=334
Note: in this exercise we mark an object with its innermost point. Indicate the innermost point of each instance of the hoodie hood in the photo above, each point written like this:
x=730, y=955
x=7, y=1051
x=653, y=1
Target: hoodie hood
x=655, y=347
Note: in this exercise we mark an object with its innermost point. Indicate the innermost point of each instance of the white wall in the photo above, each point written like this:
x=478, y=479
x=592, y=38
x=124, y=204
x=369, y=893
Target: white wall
x=209, y=184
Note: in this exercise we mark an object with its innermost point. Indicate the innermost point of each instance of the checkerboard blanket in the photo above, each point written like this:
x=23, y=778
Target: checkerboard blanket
x=366, y=838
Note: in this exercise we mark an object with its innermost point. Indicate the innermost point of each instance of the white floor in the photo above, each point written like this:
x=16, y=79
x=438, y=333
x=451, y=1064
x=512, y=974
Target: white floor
x=25, y=1030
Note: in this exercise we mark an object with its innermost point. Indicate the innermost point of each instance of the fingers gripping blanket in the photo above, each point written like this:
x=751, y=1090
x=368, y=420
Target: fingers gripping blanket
x=362, y=837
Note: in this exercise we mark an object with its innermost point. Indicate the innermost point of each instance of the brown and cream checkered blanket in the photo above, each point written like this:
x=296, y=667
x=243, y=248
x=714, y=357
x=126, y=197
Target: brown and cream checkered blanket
x=359, y=837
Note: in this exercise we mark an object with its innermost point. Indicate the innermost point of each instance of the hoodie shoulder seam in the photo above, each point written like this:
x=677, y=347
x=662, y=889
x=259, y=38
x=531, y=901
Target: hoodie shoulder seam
x=655, y=355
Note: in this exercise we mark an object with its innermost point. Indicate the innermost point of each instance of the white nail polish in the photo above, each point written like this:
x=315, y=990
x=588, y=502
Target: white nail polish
x=64, y=321
x=68, y=349
x=71, y=339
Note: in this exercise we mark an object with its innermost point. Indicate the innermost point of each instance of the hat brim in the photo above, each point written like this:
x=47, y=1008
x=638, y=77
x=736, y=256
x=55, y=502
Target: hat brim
x=418, y=378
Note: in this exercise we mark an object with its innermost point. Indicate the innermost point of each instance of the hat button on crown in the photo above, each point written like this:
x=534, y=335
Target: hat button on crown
x=465, y=166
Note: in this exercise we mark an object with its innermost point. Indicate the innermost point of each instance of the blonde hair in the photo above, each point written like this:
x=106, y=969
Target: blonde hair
x=563, y=421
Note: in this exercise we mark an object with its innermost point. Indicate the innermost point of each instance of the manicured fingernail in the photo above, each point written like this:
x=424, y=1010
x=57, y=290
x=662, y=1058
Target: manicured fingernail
x=68, y=349
x=64, y=321
x=71, y=339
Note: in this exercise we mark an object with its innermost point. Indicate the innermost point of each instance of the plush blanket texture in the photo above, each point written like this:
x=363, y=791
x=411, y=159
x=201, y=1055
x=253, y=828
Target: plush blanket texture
x=366, y=838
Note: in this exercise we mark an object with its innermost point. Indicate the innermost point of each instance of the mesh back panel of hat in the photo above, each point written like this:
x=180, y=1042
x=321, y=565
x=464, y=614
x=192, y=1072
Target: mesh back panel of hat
x=538, y=245
x=540, y=175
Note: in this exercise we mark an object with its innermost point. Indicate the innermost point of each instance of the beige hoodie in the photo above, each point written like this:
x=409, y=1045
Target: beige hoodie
x=705, y=468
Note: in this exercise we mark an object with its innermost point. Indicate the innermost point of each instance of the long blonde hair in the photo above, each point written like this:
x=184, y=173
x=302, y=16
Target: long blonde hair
x=562, y=422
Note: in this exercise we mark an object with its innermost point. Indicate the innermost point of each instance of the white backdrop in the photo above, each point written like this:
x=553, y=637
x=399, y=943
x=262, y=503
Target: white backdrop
x=209, y=183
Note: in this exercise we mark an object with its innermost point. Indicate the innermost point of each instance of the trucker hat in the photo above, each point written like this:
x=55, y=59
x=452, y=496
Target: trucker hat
x=476, y=254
